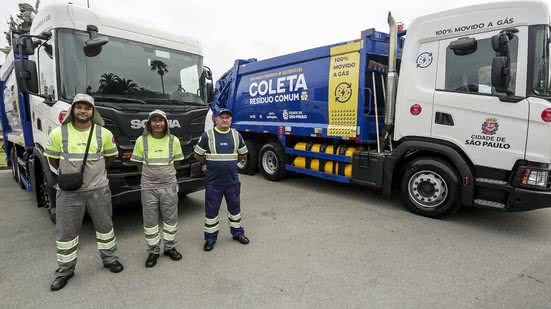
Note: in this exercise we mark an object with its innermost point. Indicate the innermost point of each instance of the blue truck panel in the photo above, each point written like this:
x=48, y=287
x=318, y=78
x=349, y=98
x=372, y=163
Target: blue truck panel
x=335, y=93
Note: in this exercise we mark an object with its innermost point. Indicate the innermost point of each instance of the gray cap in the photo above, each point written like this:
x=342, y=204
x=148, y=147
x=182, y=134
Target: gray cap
x=222, y=111
x=84, y=98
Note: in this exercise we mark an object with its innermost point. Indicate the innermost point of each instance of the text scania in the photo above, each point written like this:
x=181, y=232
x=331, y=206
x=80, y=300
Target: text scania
x=282, y=89
x=140, y=124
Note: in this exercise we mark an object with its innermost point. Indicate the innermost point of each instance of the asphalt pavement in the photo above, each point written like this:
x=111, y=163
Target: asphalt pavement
x=314, y=244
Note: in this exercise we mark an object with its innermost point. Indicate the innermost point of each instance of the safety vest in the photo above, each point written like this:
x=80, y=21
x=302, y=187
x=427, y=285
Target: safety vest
x=159, y=158
x=213, y=154
x=73, y=152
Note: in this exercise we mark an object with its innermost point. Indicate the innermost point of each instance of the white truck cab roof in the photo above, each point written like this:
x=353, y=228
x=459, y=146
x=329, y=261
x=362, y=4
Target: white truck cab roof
x=478, y=18
x=70, y=16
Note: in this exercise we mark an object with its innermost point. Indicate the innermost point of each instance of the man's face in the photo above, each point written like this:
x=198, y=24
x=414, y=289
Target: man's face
x=223, y=121
x=83, y=112
x=158, y=124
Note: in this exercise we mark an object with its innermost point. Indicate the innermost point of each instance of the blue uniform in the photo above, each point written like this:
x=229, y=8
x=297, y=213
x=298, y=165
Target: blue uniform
x=221, y=150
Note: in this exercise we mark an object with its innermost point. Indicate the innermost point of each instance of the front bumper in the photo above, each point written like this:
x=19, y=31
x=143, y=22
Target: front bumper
x=524, y=200
x=125, y=185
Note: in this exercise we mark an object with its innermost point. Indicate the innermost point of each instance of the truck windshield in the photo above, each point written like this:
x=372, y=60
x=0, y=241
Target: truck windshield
x=542, y=66
x=129, y=71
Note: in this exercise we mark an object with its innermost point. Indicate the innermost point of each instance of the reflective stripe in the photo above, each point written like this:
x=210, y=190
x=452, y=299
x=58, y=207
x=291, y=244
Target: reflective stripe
x=200, y=151
x=52, y=153
x=105, y=236
x=235, y=135
x=153, y=241
x=158, y=161
x=80, y=156
x=110, y=151
x=107, y=245
x=171, y=148
x=66, y=258
x=210, y=221
x=151, y=230
x=136, y=158
x=212, y=229
x=235, y=224
x=169, y=228
x=145, y=147
x=169, y=237
x=179, y=156
x=66, y=245
x=234, y=217
x=222, y=157
x=65, y=139
x=242, y=150
x=212, y=141
x=99, y=139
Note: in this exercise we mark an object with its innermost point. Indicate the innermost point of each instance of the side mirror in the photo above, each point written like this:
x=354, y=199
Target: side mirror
x=464, y=46
x=24, y=46
x=93, y=46
x=209, y=83
x=501, y=74
x=26, y=75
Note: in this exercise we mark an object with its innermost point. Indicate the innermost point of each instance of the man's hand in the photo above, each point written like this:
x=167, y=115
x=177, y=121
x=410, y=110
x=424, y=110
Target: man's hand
x=109, y=162
x=201, y=159
x=54, y=163
x=242, y=157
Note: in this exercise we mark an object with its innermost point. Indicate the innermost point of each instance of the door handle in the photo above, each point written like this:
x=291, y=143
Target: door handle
x=444, y=119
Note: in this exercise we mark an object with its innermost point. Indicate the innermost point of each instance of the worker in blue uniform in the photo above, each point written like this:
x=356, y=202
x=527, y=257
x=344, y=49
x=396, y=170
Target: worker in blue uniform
x=220, y=148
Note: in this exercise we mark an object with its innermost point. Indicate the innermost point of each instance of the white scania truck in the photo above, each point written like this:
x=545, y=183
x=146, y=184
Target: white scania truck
x=129, y=69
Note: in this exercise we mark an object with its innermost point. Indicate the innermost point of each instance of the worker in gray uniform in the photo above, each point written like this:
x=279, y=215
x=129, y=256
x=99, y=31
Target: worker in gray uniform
x=82, y=145
x=158, y=150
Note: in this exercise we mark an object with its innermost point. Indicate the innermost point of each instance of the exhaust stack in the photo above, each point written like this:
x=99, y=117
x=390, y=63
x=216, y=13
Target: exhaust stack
x=392, y=79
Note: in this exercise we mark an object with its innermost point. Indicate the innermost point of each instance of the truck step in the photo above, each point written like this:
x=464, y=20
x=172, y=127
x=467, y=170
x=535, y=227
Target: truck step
x=493, y=184
x=492, y=204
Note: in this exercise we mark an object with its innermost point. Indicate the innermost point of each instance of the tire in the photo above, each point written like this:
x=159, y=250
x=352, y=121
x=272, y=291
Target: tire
x=14, y=165
x=46, y=198
x=249, y=166
x=430, y=188
x=272, y=160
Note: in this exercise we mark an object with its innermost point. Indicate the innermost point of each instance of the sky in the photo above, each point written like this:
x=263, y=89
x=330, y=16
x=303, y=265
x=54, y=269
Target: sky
x=243, y=29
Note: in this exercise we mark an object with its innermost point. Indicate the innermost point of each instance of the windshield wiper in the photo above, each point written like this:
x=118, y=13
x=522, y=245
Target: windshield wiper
x=118, y=99
x=174, y=101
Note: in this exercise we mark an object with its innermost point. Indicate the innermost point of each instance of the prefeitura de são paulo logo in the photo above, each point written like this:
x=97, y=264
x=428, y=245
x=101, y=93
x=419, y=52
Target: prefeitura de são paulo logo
x=490, y=126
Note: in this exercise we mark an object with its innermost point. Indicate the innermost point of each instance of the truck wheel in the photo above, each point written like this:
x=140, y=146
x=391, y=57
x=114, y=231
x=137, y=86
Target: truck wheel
x=430, y=187
x=45, y=200
x=272, y=162
x=248, y=166
x=14, y=165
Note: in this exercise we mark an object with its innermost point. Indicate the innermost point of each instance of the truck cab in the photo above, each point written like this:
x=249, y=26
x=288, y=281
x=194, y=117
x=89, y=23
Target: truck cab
x=129, y=69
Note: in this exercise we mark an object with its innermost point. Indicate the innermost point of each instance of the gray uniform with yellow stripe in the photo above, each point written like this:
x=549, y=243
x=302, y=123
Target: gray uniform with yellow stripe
x=68, y=144
x=159, y=193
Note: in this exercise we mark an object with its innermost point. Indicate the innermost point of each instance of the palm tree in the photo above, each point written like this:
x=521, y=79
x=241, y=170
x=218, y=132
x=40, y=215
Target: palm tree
x=108, y=83
x=127, y=85
x=161, y=68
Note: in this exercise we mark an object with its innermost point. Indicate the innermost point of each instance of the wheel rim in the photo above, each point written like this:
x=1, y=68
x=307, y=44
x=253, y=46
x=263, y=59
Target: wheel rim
x=427, y=189
x=270, y=162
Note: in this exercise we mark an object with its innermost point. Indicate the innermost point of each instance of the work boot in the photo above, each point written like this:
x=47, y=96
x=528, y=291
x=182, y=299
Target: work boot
x=173, y=254
x=115, y=267
x=209, y=245
x=242, y=239
x=151, y=260
x=60, y=282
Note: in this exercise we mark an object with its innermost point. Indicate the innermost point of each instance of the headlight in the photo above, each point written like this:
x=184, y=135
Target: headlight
x=534, y=177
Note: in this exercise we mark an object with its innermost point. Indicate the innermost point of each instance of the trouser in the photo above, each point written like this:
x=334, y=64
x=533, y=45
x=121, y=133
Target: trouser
x=161, y=203
x=71, y=207
x=213, y=199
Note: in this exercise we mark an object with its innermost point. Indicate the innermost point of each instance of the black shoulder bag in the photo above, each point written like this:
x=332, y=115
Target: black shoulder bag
x=73, y=181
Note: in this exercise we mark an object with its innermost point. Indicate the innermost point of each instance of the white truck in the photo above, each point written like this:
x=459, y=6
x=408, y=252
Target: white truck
x=129, y=69
x=465, y=123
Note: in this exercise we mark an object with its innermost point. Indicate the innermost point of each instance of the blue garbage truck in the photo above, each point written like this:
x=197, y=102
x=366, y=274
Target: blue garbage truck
x=441, y=113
